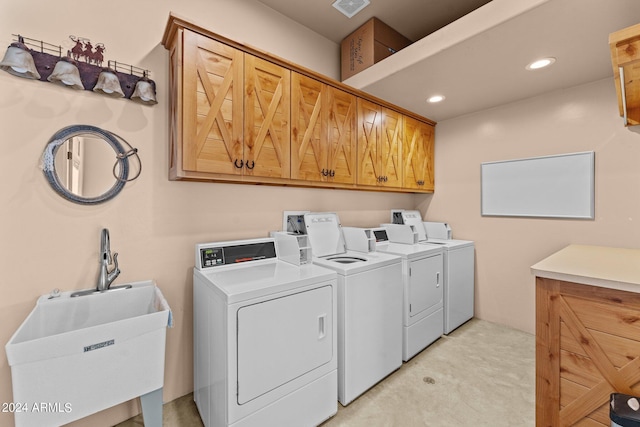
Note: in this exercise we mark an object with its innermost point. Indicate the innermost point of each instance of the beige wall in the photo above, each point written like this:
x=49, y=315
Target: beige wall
x=583, y=118
x=48, y=242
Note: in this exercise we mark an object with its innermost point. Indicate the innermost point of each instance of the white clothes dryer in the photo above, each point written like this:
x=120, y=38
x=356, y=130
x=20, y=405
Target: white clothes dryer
x=264, y=337
x=459, y=266
x=423, y=280
x=369, y=306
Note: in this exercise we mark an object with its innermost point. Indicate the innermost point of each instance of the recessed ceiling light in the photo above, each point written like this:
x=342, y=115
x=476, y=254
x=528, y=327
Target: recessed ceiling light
x=541, y=63
x=435, y=98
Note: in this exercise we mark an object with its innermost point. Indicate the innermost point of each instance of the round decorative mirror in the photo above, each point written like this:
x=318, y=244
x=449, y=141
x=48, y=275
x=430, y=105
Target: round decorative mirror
x=86, y=164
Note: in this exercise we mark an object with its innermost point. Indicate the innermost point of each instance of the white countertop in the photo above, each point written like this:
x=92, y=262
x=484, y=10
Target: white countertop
x=614, y=268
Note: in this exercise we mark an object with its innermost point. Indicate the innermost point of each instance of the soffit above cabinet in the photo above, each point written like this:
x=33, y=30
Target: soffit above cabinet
x=478, y=61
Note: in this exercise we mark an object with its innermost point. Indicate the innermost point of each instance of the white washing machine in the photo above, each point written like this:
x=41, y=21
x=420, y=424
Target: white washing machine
x=265, y=344
x=459, y=266
x=423, y=279
x=369, y=306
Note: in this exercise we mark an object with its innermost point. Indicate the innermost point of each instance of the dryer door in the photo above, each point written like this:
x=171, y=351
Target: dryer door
x=282, y=339
x=425, y=284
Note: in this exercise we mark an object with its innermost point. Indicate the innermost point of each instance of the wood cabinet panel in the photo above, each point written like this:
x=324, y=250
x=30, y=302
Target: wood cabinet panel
x=211, y=105
x=625, y=53
x=391, y=148
x=266, y=118
x=587, y=347
x=369, y=134
x=323, y=141
x=340, y=117
x=380, y=136
x=619, y=350
x=418, y=156
x=308, y=152
x=573, y=391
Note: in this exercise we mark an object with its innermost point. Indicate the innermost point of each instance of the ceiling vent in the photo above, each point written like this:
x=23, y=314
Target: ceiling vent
x=350, y=7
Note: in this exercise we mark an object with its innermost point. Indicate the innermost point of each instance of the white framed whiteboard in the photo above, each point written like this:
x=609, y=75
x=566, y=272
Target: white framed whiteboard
x=560, y=186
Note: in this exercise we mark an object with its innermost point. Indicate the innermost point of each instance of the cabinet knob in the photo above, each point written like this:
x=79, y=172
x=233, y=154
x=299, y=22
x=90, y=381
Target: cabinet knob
x=253, y=164
x=235, y=163
x=332, y=173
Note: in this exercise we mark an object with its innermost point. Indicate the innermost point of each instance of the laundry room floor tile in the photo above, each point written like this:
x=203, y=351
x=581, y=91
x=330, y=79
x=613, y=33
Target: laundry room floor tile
x=482, y=374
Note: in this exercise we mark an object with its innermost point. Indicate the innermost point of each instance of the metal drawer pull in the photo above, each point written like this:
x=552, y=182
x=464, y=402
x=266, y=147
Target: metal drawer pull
x=624, y=95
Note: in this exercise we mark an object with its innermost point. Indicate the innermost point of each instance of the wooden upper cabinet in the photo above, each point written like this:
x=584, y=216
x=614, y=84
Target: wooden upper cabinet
x=239, y=114
x=391, y=152
x=323, y=144
x=341, y=138
x=418, y=155
x=235, y=111
x=379, y=145
x=625, y=56
x=267, y=129
x=369, y=128
x=212, y=106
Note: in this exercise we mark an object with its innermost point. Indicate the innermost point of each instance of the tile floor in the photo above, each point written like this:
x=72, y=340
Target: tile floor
x=482, y=374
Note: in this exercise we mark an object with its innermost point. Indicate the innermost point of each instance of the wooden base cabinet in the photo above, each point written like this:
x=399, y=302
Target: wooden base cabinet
x=587, y=347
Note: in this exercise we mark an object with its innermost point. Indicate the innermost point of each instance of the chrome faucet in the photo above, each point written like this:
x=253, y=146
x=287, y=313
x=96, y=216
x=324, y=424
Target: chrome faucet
x=106, y=277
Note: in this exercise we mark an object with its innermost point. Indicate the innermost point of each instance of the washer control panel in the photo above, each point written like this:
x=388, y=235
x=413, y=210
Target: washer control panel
x=212, y=257
x=209, y=255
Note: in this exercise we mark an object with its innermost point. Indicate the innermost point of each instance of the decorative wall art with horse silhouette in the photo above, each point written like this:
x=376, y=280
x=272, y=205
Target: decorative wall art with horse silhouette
x=128, y=81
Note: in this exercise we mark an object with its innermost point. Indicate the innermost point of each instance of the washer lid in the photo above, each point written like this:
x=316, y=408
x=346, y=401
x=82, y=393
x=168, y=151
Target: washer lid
x=325, y=234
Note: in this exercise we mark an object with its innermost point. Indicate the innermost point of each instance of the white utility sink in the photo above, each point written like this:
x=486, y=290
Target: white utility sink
x=74, y=356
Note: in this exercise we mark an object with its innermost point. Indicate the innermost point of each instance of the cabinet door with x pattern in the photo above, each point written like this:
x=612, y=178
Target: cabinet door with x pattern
x=418, y=155
x=379, y=145
x=212, y=105
x=267, y=127
x=323, y=145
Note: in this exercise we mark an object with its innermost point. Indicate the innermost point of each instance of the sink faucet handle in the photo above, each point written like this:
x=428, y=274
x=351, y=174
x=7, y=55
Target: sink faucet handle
x=113, y=274
x=105, y=245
